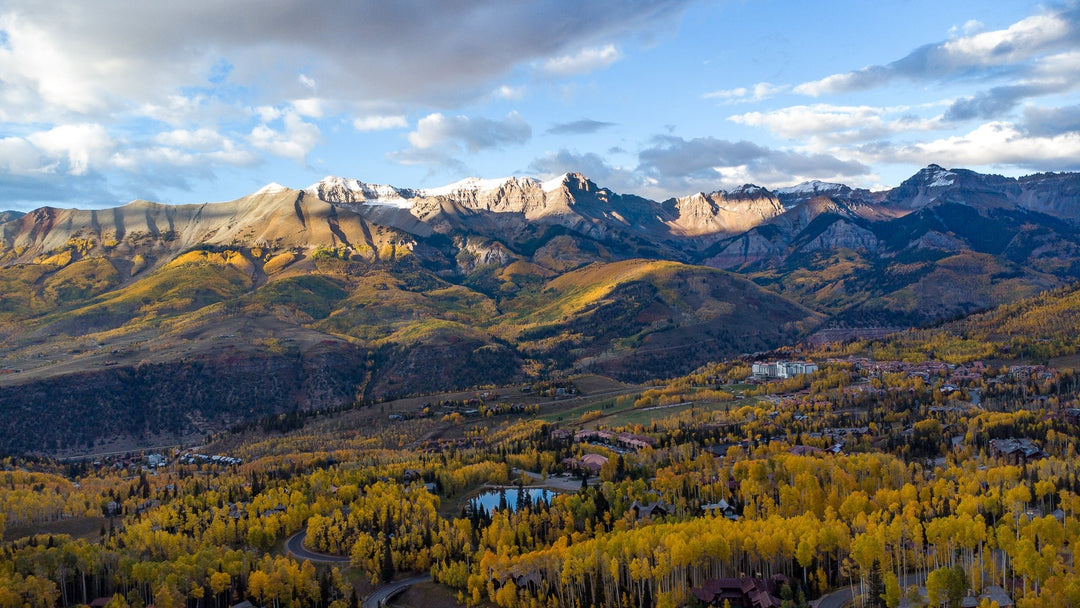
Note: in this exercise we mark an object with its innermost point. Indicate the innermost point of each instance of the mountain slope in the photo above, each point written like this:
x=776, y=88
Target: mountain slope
x=363, y=291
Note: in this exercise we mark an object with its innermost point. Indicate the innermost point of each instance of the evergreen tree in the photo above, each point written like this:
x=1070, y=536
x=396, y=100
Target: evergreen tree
x=875, y=587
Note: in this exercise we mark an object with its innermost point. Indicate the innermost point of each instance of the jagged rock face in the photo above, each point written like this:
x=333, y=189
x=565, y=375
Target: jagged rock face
x=936, y=185
x=725, y=213
x=514, y=195
x=937, y=240
x=504, y=207
x=1056, y=194
x=745, y=250
x=793, y=196
x=340, y=190
x=476, y=253
x=515, y=212
x=843, y=234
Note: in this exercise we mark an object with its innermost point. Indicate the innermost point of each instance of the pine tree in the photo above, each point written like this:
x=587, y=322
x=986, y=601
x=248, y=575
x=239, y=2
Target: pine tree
x=875, y=587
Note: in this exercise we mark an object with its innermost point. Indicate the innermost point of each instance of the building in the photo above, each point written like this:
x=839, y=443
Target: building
x=805, y=450
x=593, y=463
x=744, y=592
x=590, y=463
x=783, y=369
x=650, y=510
x=1015, y=451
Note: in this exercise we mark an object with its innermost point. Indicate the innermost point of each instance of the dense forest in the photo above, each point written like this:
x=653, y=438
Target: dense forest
x=853, y=477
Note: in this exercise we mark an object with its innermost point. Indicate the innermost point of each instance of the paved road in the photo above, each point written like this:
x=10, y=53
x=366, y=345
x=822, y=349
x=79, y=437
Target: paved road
x=295, y=546
x=380, y=596
x=844, y=596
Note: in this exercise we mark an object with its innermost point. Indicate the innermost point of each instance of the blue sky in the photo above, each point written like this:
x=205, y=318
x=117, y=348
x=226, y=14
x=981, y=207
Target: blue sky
x=102, y=102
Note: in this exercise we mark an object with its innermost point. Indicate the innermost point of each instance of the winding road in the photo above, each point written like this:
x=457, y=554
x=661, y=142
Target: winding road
x=295, y=546
x=379, y=597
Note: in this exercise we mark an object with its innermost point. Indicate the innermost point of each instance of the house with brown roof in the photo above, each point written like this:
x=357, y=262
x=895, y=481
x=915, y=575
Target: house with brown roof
x=592, y=463
x=742, y=592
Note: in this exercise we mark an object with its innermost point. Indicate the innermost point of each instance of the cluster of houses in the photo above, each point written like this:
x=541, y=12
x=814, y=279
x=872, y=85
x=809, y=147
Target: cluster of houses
x=439, y=445
x=955, y=374
x=134, y=461
x=782, y=369
x=626, y=441
x=197, y=458
x=616, y=442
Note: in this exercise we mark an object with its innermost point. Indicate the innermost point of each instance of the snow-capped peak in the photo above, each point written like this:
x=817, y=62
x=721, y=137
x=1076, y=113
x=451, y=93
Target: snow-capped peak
x=469, y=184
x=941, y=177
x=344, y=190
x=810, y=187
x=747, y=190
x=271, y=188
x=554, y=183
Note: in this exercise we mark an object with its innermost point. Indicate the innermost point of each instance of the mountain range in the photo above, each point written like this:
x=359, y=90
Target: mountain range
x=180, y=319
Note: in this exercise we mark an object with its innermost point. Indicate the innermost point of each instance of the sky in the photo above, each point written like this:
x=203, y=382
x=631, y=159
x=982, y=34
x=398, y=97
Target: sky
x=103, y=102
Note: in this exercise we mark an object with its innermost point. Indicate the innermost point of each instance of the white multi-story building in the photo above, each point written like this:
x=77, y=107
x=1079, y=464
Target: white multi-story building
x=783, y=369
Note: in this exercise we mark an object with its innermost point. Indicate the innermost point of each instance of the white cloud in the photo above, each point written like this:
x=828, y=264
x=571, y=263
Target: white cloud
x=199, y=139
x=268, y=113
x=759, y=92
x=474, y=134
x=584, y=61
x=98, y=57
x=442, y=141
x=311, y=107
x=260, y=74
x=183, y=148
x=1015, y=46
x=1059, y=65
x=1018, y=42
x=138, y=160
x=380, y=122
x=736, y=93
x=294, y=141
x=830, y=84
x=993, y=143
x=19, y=156
x=971, y=26
x=510, y=93
x=83, y=146
x=834, y=123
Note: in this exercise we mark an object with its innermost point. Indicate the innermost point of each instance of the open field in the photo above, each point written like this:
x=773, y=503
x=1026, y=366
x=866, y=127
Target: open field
x=88, y=528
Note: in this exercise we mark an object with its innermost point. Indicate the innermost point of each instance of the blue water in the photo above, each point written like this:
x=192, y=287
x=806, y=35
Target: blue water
x=489, y=500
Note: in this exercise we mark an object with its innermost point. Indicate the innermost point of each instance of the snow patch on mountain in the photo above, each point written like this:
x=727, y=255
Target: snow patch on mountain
x=555, y=183
x=344, y=190
x=811, y=187
x=271, y=188
x=469, y=184
x=747, y=190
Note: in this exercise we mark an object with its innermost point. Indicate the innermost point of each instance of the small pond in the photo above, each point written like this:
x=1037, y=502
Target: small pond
x=490, y=499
